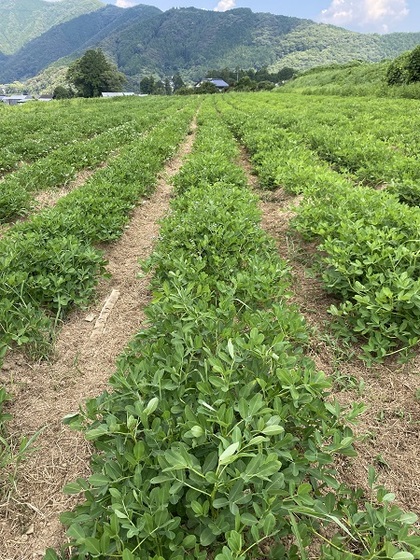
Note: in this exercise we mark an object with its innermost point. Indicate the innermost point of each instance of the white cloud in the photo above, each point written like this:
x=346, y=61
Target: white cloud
x=374, y=14
x=125, y=3
x=224, y=5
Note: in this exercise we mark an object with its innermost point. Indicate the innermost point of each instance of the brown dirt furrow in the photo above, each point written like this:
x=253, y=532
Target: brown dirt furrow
x=45, y=392
x=50, y=197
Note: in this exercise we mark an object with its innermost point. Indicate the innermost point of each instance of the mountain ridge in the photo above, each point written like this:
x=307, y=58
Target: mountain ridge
x=144, y=40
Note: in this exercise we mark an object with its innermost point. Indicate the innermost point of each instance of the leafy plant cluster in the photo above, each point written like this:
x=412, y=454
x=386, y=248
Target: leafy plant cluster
x=265, y=138
x=217, y=440
x=48, y=264
x=32, y=131
x=405, y=69
x=369, y=241
x=61, y=165
x=371, y=261
x=355, y=141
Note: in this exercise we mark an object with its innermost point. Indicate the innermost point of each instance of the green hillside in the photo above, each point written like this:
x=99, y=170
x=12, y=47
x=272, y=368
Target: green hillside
x=312, y=45
x=189, y=40
x=68, y=38
x=23, y=20
x=352, y=79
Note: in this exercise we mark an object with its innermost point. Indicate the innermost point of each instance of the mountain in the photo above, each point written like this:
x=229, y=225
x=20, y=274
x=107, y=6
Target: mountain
x=64, y=39
x=143, y=40
x=191, y=41
x=23, y=20
x=314, y=45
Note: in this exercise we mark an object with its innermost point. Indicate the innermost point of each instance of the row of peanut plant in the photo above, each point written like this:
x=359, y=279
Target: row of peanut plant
x=35, y=130
x=49, y=263
x=60, y=166
x=217, y=439
x=372, y=141
x=369, y=240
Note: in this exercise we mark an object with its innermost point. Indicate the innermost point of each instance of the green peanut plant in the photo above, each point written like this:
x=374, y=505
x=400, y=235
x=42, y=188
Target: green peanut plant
x=217, y=438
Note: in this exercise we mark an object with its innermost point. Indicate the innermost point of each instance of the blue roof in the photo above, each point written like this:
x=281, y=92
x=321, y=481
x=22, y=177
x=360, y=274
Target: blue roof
x=219, y=83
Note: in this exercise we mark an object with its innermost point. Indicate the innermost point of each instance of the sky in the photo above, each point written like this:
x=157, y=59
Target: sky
x=366, y=16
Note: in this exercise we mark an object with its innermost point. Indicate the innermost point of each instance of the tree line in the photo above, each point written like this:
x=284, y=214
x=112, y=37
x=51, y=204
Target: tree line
x=93, y=74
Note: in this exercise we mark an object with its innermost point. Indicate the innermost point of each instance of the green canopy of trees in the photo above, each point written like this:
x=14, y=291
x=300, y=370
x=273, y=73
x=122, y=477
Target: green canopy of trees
x=405, y=69
x=93, y=73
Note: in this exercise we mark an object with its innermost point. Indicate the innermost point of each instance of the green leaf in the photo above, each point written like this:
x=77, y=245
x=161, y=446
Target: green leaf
x=227, y=454
x=96, y=433
x=408, y=518
x=390, y=497
x=120, y=514
x=98, y=480
x=197, y=431
x=234, y=541
x=127, y=555
x=76, y=532
x=403, y=556
x=231, y=349
x=207, y=537
x=50, y=554
x=273, y=430
x=151, y=406
x=72, y=488
x=256, y=440
x=220, y=503
x=269, y=523
x=226, y=554
x=197, y=507
x=160, y=479
x=248, y=519
x=189, y=542
x=93, y=546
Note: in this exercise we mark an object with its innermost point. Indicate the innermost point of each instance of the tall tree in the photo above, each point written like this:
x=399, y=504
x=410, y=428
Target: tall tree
x=93, y=73
x=178, y=82
x=147, y=85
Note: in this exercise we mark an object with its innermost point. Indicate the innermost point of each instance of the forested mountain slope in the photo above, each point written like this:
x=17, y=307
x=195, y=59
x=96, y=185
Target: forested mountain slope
x=189, y=40
x=23, y=20
x=67, y=38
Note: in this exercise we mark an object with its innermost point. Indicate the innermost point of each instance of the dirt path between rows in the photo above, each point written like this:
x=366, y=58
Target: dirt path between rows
x=44, y=393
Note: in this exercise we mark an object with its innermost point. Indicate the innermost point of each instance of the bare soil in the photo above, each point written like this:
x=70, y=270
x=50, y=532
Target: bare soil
x=43, y=393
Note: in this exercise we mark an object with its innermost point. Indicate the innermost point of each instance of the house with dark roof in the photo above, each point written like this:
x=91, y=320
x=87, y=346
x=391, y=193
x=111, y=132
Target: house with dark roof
x=218, y=82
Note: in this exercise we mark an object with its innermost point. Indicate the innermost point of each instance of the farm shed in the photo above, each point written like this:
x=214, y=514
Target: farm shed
x=17, y=99
x=117, y=93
